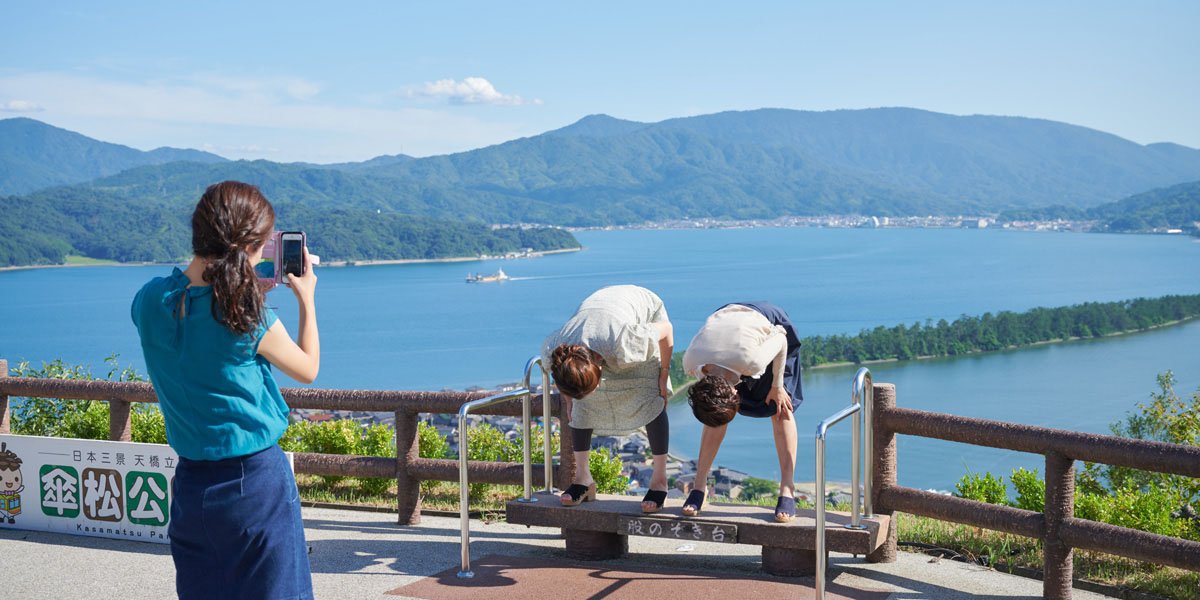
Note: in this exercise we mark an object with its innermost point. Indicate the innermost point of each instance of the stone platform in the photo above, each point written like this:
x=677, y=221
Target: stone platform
x=600, y=530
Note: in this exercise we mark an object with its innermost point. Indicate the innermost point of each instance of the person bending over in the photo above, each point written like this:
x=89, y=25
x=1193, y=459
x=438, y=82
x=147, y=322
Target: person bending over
x=611, y=362
x=747, y=359
x=209, y=342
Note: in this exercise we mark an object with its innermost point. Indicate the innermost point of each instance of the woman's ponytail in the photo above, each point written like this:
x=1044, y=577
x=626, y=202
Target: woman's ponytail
x=231, y=221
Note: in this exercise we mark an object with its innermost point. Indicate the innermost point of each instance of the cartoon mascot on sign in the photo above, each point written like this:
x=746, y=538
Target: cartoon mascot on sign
x=10, y=484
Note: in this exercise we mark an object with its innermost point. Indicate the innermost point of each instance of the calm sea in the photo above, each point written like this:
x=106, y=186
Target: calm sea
x=421, y=327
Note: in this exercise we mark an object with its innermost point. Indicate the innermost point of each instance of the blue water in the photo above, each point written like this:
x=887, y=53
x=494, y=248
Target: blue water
x=421, y=327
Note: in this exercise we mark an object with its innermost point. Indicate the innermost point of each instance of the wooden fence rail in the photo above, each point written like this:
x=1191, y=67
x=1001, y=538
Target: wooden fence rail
x=1057, y=526
x=408, y=468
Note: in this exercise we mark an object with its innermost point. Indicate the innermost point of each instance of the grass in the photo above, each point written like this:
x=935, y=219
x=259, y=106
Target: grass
x=1005, y=551
x=1002, y=551
x=74, y=259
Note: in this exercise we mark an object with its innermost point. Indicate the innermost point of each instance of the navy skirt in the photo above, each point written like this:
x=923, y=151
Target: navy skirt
x=236, y=530
x=752, y=393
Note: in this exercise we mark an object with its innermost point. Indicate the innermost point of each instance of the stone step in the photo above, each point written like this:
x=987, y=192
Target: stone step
x=599, y=529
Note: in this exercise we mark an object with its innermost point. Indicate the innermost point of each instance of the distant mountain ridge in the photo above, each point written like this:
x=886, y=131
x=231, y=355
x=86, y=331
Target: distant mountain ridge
x=1174, y=207
x=600, y=170
x=34, y=156
x=739, y=164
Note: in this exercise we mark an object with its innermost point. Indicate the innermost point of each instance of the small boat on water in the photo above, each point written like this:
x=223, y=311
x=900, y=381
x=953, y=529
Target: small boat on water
x=499, y=275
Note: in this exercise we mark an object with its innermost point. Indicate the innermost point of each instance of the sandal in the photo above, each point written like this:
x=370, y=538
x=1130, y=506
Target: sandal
x=785, y=509
x=655, y=496
x=694, y=501
x=579, y=493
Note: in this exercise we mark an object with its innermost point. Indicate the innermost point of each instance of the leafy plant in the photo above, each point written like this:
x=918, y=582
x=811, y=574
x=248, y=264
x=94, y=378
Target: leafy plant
x=84, y=419
x=606, y=470
x=982, y=488
x=1031, y=491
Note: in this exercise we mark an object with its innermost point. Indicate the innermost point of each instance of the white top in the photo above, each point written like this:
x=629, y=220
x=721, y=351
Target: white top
x=740, y=339
x=616, y=322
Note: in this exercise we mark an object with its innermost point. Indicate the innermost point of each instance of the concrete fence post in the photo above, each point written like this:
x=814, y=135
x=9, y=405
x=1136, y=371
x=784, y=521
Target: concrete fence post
x=4, y=399
x=883, y=471
x=120, y=420
x=1060, y=504
x=408, y=488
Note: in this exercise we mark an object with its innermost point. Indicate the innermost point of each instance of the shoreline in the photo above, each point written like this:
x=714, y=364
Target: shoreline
x=336, y=263
x=1021, y=347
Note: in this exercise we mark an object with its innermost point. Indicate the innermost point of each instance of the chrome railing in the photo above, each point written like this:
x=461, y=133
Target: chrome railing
x=860, y=402
x=464, y=444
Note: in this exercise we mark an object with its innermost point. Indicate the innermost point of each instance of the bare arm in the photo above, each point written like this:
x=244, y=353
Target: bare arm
x=666, y=346
x=299, y=360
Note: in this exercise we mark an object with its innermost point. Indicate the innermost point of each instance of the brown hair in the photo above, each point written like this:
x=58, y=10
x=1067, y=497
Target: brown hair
x=575, y=371
x=713, y=400
x=9, y=461
x=231, y=218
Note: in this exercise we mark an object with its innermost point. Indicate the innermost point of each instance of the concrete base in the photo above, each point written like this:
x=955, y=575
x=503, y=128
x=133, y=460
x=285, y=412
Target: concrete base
x=787, y=562
x=595, y=545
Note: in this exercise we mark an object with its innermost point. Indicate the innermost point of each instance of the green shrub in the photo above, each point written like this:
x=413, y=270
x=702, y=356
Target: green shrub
x=148, y=424
x=606, y=470
x=430, y=443
x=82, y=419
x=1031, y=491
x=982, y=488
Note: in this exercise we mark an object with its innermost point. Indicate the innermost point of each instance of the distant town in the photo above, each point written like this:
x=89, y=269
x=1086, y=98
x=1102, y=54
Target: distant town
x=870, y=222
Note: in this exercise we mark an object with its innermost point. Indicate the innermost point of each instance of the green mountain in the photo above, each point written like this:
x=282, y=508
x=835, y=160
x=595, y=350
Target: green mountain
x=1175, y=207
x=600, y=170
x=34, y=155
x=771, y=162
x=43, y=228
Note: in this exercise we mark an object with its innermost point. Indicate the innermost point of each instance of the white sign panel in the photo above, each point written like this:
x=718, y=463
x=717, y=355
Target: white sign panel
x=98, y=488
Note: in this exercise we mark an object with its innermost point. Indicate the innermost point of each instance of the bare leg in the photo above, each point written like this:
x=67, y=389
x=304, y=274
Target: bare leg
x=710, y=442
x=583, y=475
x=785, y=446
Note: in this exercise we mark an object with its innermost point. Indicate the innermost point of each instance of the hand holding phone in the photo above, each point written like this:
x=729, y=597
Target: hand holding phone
x=284, y=253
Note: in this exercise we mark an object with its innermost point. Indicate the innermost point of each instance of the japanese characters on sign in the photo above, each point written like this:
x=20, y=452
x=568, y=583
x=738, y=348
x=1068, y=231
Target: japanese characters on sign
x=700, y=531
x=87, y=487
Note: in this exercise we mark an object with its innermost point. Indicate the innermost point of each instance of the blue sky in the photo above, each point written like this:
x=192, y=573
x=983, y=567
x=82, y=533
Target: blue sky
x=347, y=81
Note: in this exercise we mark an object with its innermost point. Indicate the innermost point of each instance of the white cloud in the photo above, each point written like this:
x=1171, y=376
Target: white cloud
x=278, y=118
x=472, y=90
x=21, y=106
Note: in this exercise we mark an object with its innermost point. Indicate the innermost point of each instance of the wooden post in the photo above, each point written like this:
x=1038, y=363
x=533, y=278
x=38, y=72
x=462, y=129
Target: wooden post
x=3, y=399
x=408, y=488
x=1060, y=504
x=120, y=421
x=883, y=472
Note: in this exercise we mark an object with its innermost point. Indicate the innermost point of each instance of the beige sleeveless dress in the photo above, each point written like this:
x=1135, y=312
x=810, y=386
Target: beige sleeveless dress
x=616, y=322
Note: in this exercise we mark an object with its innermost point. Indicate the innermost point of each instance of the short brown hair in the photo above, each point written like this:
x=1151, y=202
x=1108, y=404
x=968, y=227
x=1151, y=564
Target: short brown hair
x=575, y=371
x=713, y=401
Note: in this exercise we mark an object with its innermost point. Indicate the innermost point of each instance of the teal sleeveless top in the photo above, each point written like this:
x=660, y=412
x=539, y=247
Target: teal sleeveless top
x=218, y=397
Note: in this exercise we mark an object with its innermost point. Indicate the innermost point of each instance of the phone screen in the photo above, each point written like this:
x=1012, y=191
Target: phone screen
x=292, y=254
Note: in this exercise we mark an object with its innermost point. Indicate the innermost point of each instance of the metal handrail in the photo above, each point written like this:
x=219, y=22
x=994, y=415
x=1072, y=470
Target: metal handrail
x=862, y=381
x=863, y=393
x=549, y=469
x=464, y=444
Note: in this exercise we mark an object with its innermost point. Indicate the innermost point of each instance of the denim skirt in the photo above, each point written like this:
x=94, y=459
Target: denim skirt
x=236, y=530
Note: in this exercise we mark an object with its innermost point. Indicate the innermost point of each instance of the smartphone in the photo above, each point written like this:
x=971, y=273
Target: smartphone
x=291, y=253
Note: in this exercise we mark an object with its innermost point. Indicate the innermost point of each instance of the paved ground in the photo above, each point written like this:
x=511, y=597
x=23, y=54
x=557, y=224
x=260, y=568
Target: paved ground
x=366, y=555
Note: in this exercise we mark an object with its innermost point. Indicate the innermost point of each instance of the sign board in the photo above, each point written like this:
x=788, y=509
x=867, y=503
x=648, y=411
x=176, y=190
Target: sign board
x=699, y=531
x=118, y=490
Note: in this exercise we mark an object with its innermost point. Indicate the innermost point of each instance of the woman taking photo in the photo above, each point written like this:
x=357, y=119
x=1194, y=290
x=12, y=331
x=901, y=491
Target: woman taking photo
x=209, y=342
x=611, y=362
